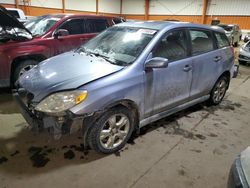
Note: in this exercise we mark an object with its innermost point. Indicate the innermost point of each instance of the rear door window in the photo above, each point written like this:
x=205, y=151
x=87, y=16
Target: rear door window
x=173, y=46
x=222, y=40
x=74, y=26
x=202, y=41
x=95, y=25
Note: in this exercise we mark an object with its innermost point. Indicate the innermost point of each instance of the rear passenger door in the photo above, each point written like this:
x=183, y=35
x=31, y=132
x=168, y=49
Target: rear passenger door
x=206, y=62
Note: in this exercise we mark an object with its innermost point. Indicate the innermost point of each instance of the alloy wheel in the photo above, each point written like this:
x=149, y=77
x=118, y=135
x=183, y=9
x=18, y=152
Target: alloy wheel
x=220, y=90
x=114, y=131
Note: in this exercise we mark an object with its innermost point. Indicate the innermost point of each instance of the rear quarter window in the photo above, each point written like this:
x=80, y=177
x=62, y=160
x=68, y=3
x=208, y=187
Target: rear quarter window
x=222, y=40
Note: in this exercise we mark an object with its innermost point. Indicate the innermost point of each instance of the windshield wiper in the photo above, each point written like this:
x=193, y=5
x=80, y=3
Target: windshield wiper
x=82, y=49
x=100, y=55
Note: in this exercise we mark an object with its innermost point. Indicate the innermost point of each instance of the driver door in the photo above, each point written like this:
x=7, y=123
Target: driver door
x=169, y=87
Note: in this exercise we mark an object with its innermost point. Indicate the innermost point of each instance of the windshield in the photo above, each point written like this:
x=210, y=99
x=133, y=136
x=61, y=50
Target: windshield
x=120, y=45
x=226, y=27
x=40, y=25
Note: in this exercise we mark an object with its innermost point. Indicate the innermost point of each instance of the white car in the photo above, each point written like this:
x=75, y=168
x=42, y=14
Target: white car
x=19, y=14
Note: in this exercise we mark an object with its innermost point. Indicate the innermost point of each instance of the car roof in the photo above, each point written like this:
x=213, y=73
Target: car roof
x=159, y=25
x=68, y=15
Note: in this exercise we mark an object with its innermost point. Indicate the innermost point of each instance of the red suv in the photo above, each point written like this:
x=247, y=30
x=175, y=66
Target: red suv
x=24, y=46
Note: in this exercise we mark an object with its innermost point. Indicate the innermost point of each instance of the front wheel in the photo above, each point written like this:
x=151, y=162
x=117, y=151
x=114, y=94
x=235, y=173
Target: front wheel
x=219, y=90
x=111, y=131
x=22, y=67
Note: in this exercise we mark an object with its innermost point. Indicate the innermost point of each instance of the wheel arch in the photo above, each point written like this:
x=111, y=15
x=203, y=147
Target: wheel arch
x=129, y=104
x=15, y=62
x=227, y=75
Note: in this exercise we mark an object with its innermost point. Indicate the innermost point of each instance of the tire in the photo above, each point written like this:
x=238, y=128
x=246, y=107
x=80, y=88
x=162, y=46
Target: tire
x=22, y=67
x=242, y=62
x=220, y=86
x=113, y=137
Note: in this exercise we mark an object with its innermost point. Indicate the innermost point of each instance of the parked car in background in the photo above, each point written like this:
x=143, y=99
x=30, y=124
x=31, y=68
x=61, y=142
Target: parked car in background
x=233, y=33
x=239, y=176
x=128, y=76
x=24, y=46
x=17, y=13
x=244, y=54
x=117, y=20
x=247, y=37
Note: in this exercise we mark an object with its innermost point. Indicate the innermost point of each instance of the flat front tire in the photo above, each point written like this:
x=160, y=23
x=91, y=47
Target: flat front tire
x=111, y=131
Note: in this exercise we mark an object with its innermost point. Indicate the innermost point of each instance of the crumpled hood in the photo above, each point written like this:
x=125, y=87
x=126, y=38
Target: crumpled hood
x=64, y=72
x=7, y=20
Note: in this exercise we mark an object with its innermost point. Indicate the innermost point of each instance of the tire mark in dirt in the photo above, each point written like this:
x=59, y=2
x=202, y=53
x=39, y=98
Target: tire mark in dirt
x=168, y=152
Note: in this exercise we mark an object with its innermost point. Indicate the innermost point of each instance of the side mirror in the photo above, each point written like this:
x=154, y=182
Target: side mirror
x=156, y=62
x=61, y=33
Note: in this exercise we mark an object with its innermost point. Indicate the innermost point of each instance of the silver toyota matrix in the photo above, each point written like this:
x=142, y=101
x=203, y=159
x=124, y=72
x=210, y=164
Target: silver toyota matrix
x=128, y=76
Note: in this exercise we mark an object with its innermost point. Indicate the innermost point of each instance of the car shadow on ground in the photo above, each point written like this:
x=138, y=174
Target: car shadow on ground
x=34, y=153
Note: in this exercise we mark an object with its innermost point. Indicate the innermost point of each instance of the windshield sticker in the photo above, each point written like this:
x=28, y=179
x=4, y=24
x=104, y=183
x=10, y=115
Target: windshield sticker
x=147, y=31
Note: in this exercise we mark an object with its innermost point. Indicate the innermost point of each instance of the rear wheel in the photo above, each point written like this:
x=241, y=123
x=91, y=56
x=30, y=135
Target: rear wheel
x=219, y=90
x=111, y=131
x=23, y=66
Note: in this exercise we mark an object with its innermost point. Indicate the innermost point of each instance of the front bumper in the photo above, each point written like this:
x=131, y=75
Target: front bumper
x=57, y=124
x=236, y=176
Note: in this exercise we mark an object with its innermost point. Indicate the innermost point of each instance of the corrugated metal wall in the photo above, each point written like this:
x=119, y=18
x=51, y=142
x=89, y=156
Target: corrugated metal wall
x=81, y=5
x=133, y=7
x=109, y=6
x=175, y=7
x=228, y=11
x=45, y=3
x=229, y=7
x=7, y=1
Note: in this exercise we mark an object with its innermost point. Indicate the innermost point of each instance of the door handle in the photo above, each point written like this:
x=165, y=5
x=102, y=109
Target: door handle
x=187, y=68
x=217, y=58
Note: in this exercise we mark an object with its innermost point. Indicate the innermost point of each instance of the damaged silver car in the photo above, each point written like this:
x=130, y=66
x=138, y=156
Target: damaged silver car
x=128, y=76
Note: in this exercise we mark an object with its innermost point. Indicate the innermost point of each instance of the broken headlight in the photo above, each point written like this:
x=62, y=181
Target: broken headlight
x=61, y=101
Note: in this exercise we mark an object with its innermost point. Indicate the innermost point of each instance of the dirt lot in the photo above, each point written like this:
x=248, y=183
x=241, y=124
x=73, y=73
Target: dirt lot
x=193, y=148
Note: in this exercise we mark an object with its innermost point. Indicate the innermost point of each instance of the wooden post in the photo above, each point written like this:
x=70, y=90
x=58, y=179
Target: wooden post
x=97, y=6
x=146, y=9
x=204, y=12
x=120, y=7
x=63, y=6
x=17, y=3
